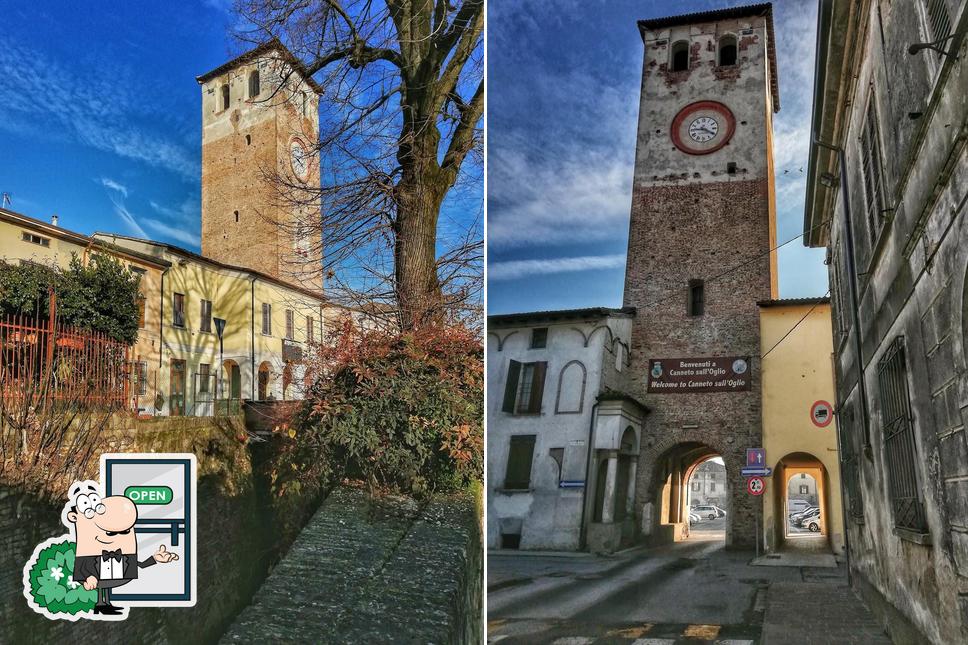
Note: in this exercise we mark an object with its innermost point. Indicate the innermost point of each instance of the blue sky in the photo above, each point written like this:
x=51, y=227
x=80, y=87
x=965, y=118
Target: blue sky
x=563, y=83
x=100, y=120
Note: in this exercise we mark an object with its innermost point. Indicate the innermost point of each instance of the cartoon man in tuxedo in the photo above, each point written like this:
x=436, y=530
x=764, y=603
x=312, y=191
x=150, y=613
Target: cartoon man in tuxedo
x=107, y=549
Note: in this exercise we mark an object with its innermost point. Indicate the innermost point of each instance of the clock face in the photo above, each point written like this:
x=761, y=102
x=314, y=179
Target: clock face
x=299, y=158
x=702, y=127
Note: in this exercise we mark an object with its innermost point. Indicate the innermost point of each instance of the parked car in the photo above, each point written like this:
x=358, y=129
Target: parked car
x=707, y=512
x=813, y=524
x=804, y=518
x=694, y=518
x=720, y=512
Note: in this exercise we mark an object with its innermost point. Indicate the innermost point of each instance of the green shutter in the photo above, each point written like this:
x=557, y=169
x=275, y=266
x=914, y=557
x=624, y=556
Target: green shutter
x=511, y=387
x=537, y=387
x=520, y=455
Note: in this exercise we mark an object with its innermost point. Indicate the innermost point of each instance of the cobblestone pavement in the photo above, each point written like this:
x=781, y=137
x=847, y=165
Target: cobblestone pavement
x=691, y=592
x=818, y=612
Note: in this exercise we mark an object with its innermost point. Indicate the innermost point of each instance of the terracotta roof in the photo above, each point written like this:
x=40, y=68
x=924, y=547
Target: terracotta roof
x=790, y=302
x=616, y=395
x=764, y=9
x=47, y=228
x=560, y=314
x=201, y=258
x=273, y=45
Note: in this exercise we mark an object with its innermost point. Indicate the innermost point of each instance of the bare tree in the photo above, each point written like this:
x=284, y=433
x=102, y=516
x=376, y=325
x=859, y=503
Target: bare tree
x=402, y=101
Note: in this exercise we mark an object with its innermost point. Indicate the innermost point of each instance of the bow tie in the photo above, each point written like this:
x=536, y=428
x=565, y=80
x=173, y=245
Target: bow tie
x=107, y=555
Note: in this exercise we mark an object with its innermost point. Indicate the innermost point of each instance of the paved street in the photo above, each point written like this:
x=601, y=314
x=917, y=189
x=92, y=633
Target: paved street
x=691, y=592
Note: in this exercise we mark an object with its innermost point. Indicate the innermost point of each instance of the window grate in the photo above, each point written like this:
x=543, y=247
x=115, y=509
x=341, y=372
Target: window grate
x=899, y=442
x=939, y=23
x=871, y=161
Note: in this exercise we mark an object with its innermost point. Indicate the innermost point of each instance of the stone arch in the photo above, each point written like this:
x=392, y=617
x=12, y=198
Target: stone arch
x=787, y=472
x=571, y=388
x=727, y=50
x=680, y=452
x=679, y=56
x=265, y=379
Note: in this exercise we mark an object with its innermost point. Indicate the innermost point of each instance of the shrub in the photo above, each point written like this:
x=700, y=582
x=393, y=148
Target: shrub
x=402, y=412
x=51, y=584
x=101, y=296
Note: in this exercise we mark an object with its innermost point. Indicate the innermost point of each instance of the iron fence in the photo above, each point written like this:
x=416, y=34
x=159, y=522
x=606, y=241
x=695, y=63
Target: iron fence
x=43, y=361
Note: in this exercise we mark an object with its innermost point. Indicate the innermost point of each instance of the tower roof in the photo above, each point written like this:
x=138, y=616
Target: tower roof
x=764, y=9
x=273, y=45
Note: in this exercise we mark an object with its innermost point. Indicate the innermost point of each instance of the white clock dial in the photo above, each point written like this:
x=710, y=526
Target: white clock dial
x=703, y=129
x=300, y=160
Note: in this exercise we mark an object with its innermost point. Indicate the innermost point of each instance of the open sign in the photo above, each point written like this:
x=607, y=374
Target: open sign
x=822, y=413
x=149, y=494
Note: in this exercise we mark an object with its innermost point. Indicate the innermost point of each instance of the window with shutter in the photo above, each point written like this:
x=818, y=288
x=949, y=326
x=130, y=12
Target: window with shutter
x=524, y=389
x=178, y=310
x=266, y=319
x=521, y=453
x=206, y=317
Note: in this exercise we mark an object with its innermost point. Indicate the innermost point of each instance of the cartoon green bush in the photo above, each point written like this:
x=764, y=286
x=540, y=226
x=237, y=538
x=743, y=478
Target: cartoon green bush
x=52, y=582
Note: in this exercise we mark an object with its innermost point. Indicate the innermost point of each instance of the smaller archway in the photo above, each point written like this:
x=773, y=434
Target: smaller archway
x=800, y=504
x=265, y=374
x=232, y=377
x=287, y=379
x=727, y=50
x=679, y=56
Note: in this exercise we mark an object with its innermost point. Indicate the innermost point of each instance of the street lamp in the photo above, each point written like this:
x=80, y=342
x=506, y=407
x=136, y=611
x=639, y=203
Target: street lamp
x=219, y=329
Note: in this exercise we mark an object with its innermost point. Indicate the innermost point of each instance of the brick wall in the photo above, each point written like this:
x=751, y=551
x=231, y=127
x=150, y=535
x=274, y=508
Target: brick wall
x=695, y=231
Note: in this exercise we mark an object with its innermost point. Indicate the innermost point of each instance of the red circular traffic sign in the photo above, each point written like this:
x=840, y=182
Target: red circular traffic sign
x=755, y=485
x=822, y=413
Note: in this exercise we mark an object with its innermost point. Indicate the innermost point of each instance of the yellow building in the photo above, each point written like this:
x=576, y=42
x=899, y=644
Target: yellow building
x=25, y=239
x=799, y=428
x=269, y=325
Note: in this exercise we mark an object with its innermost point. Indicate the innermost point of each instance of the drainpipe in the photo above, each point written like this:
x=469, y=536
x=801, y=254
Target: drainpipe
x=161, y=322
x=252, y=335
x=582, y=536
x=858, y=348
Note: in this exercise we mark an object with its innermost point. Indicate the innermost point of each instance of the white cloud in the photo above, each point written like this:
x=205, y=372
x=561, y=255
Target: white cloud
x=89, y=106
x=514, y=269
x=122, y=211
x=180, y=234
x=113, y=185
x=187, y=211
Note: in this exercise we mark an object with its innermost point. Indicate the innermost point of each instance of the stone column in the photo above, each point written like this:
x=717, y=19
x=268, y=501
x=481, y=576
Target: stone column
x=608, y=505
x=630, y=495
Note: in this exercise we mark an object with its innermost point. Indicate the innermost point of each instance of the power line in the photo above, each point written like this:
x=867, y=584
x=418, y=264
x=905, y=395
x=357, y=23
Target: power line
x=810, y=311
x=745, y=263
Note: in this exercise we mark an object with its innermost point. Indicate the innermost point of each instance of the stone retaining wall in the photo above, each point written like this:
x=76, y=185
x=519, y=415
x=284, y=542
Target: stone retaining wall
x=242, y=529
x=375, y=571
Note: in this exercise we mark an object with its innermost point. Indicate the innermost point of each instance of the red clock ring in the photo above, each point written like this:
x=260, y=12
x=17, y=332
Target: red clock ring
x=702, y=105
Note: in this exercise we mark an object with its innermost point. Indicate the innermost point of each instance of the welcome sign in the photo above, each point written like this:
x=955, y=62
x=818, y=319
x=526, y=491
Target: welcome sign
x=697, y=375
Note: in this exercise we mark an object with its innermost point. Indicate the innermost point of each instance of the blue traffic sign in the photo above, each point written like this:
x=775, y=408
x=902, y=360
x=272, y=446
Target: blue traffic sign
x=755, y=457
x=757, y=471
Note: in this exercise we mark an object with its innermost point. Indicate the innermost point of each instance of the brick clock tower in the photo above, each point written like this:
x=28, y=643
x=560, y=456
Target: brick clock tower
x=257, y=142
x=703, y=202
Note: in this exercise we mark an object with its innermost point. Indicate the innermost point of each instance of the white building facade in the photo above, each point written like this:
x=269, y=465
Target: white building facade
x=553, y=379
